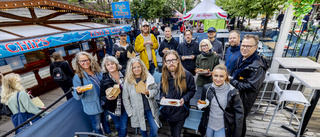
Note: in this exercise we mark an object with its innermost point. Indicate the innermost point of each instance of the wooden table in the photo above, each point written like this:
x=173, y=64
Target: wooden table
x=272, y=45
x=265, y=38
x=311, y=80
x=224, y=30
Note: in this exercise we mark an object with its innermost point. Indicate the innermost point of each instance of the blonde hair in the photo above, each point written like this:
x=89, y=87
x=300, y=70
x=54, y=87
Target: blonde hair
x=224, y=68
x=180, y=75
x=129, y=73
x=206, y=41
x=111, y=59
x=94, y=66
x=11, y=84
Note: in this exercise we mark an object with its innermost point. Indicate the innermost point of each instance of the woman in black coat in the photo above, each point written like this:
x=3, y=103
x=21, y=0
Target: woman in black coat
x=223, y=114
x=67, y=70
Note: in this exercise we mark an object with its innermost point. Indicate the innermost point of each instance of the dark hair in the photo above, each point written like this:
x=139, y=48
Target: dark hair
x=254, y=37
x=184, y=33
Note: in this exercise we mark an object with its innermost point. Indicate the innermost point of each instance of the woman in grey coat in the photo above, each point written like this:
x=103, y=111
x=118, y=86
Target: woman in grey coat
x=136, y=99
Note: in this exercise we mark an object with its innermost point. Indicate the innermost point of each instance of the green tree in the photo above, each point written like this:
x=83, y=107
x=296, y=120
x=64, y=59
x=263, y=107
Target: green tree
x=251, y=8
x=178, y=4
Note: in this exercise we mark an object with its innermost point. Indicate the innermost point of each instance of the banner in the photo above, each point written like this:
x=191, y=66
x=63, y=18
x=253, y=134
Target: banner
x=11, y=48
x=121, y=9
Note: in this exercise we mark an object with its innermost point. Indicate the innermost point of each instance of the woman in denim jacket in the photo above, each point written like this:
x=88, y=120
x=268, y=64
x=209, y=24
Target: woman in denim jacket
x=88, y=72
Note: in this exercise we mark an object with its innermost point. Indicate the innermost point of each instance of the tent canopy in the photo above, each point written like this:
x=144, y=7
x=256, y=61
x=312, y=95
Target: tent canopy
x=206, y=10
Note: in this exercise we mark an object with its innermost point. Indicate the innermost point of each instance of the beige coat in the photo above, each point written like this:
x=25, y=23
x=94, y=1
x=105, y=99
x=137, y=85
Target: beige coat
x=134, y=105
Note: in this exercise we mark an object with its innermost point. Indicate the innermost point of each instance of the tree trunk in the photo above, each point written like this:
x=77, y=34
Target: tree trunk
x=265, y=25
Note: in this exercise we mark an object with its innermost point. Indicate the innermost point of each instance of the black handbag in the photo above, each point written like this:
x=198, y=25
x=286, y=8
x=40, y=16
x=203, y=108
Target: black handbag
x=4, y=109
x=229, y=117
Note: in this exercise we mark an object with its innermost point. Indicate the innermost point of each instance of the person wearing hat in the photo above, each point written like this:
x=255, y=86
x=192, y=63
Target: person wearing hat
x=58, y=61
x=120, y=49
x=216, y=44
x=146, y=44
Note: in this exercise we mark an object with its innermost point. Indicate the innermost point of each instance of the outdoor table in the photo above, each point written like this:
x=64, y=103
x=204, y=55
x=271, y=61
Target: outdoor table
x=265, y=38
x=222, y=30
x=311, y=80
x=272, y=45
x=295, y=64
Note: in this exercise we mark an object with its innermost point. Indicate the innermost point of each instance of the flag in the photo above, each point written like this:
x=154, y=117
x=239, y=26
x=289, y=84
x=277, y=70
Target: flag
x=184, y=7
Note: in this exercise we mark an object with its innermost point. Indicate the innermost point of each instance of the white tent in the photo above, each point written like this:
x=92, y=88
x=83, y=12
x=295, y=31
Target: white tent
x=206, y=10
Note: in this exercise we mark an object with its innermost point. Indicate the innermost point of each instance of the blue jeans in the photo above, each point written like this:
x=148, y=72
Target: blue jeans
x=120, y=122
x=305, y=24
x=105, y=122
x=279, y=24
x=152, y=124
x=152, y=67
x=95, y=120
x=211, y=133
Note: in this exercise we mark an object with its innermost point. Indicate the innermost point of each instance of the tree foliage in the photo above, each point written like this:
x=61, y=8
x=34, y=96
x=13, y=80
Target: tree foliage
x=251, y=8
x=150, y=9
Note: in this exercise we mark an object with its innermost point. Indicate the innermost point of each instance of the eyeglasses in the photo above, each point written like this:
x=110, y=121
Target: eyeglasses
x=202, y=46
x=84, y=61
x=168, y=62
x=247, y=46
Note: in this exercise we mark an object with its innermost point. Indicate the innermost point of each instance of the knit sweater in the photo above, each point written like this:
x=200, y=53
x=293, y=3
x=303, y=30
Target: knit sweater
x=216, y=120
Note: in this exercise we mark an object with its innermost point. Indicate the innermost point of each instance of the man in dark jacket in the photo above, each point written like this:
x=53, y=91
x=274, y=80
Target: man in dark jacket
x=280, y=19
x=248, y=74
x=169, y=43
x=177, y=83
x=188, y=52
x=233, y=52
x=216, y=44
x=121, y=48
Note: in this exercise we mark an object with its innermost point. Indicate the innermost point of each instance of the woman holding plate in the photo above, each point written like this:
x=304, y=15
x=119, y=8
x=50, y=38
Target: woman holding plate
x=138, y=94
x=223, y=111
x=205, y=63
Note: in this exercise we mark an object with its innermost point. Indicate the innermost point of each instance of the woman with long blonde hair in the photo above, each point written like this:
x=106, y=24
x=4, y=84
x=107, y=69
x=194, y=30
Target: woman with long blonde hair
x=88, y=72
x=140, y=102
x=13, y=94
x=177, y=83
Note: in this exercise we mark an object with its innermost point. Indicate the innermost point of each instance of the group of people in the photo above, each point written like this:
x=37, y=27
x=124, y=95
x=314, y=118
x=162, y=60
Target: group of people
x=229, y=100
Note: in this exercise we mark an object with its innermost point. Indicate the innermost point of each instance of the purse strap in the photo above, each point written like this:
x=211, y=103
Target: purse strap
x=215, y=96
x=18, y=101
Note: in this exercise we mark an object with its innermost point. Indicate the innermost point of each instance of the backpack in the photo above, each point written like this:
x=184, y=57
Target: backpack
x=58, y=74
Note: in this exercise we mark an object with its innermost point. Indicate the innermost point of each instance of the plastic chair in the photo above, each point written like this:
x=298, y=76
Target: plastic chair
x=157, y=79
x=193, y=120
x=272, y=78
x=290, y=96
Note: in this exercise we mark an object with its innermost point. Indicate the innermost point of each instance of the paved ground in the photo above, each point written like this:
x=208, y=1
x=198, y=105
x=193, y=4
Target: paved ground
x=255, y=127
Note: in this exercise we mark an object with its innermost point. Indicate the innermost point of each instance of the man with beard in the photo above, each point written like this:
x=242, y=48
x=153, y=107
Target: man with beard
x=188, y=51
x=177, y=83
x=233, y=52
x=216, y=44
x=169, y=43
x=145, y=44
x=248, y=74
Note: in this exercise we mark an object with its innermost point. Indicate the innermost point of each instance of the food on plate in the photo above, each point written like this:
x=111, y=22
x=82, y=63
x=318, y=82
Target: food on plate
x=173, y=102
x=86, y=87
x=202, y=102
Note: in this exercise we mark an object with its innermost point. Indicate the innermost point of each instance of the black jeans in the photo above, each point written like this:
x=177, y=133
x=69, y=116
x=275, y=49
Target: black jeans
x=176, y=127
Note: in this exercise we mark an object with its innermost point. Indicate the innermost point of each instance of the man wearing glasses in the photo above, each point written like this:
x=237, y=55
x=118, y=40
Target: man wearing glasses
x=248, y=75
x=188, y=52
x=177, y=83
x=216, y=44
